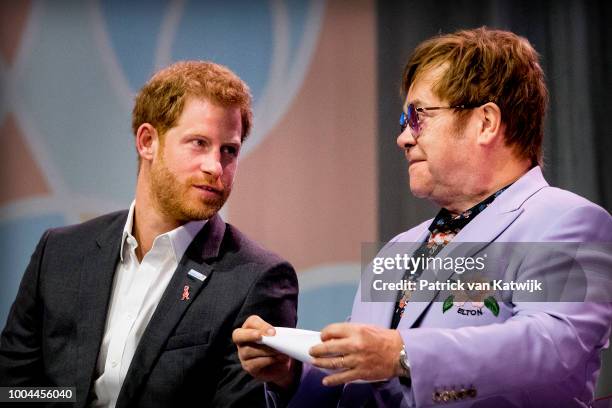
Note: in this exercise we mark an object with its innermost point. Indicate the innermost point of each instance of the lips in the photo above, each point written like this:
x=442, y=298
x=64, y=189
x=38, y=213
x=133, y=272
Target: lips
x=209, y=188
x=411, y=162
x=410, y=156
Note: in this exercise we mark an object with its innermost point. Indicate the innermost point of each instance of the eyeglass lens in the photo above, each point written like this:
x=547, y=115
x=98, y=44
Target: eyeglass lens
x=410, y=118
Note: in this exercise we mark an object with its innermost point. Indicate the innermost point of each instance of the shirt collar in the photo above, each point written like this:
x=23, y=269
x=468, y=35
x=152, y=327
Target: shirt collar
x=180, y=237
x=127, y=229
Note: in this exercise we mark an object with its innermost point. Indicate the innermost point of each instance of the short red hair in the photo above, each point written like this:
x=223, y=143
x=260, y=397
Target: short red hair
x=161, y=100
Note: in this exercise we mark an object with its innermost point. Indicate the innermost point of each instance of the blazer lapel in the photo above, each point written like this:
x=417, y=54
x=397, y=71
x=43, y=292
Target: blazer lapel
x=182, y=290
x=96, y=283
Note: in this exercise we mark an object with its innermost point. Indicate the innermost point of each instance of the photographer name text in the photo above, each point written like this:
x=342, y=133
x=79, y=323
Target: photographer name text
x=530, y=285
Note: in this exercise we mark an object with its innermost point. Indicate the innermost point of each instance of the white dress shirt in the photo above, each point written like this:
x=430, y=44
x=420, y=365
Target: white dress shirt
x=137, y=289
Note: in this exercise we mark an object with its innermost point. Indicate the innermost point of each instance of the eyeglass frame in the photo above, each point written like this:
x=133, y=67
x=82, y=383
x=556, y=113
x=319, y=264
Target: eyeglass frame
x=416, y=129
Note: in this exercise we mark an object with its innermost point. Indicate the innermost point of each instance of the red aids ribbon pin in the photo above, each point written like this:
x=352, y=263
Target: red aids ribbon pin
x=185, y=293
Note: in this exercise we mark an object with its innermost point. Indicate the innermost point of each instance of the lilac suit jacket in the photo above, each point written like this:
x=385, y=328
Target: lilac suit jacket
x=531, y=354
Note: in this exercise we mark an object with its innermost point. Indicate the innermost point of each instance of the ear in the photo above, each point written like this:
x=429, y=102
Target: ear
x=147, y=141
x=489, y=123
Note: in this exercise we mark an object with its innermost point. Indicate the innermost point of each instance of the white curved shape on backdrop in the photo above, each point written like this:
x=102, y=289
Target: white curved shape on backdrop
x=282, y=87
x=167, y=33
x=108, y=56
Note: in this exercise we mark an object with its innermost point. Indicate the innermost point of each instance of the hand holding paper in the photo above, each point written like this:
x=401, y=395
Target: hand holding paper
x=261, y=361
x=362, y=353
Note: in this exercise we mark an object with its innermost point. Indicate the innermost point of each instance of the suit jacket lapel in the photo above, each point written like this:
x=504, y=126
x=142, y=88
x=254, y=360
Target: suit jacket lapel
x=485, y=228
x=172, y=306
x=96, y=283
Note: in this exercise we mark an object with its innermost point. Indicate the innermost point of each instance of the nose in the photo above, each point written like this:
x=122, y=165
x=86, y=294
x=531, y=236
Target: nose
x=406, y=139
x=211, y=164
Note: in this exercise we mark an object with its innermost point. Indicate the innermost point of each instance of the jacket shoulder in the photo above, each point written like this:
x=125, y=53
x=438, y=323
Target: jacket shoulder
x=559, y=201
x=567, y=215
x=249, y=250
x=90, y=228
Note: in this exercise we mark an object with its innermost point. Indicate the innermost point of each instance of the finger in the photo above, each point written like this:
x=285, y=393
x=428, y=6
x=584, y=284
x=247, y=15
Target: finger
x=345, y=362
x=332, y=347
x=245, y=336
x=262, y=364
x=341, y=377
x=267, y=361
x=256, y=322
x=254, y=351
x=330, y=363
x=337, y=330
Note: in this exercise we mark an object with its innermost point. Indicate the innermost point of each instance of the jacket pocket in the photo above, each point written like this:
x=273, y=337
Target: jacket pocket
x=193, y=338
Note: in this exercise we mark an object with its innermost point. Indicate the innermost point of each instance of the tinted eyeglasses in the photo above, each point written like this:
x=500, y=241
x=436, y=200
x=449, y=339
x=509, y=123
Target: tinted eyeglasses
x=411, y=119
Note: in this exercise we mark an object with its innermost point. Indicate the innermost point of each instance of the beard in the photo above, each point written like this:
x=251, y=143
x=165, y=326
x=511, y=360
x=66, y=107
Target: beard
x=180, y=201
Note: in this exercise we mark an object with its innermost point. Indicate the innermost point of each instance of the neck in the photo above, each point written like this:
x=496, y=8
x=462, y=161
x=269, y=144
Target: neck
x=487, y=183
x=149, y=221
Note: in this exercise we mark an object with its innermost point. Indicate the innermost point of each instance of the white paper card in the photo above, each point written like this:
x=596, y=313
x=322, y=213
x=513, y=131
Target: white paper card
x=295, y=343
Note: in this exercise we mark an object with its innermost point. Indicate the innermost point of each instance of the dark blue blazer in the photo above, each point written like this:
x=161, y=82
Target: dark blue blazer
x=56, y=324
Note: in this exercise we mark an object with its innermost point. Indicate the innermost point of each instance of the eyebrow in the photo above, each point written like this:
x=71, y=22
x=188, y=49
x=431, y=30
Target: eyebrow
x=237, y=144
x=416, y=103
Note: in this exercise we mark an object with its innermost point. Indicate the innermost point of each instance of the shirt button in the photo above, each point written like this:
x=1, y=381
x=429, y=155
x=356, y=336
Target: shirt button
x=114, y=364
x=129, y=317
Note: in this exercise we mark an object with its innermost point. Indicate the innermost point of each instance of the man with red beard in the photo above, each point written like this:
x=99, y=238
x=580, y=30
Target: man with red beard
x=136, y=308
